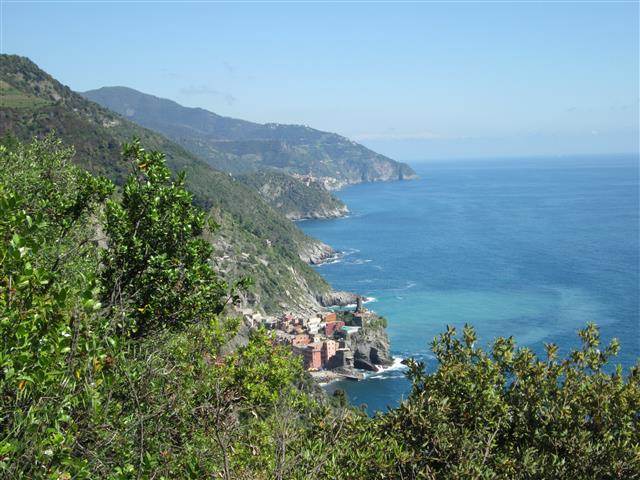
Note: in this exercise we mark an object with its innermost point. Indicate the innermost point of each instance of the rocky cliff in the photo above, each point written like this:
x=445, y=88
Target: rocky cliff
x=316, y=253
x=371, y=347
x=337, y=299
x=296, y=198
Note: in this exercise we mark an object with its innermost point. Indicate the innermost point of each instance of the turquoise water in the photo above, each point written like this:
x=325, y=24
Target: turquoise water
x=532, y=248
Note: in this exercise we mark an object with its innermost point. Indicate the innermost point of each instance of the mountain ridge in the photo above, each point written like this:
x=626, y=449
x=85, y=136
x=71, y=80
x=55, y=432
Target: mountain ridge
x=239, y=146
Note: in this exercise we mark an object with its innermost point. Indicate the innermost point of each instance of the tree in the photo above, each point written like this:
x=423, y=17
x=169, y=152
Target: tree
x=508, y=414
x=157, y=269
x=53, y=341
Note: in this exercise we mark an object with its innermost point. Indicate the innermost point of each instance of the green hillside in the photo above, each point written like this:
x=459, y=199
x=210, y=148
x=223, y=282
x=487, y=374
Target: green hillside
x=293, y=197
x=257, y=240
x=239, y=146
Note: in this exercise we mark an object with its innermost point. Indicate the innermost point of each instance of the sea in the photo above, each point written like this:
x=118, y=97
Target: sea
x=532, y=248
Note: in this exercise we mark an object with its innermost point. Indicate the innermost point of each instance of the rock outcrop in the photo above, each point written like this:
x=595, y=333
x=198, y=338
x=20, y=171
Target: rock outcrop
x=370, y=347
x=321, y=213
x=316, y=252
x=337, y=299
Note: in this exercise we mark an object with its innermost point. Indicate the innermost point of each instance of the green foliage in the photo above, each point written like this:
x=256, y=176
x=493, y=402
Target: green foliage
x=377, y=322
x=508, y=414
x=156, y=269
x=11, y=97
x=112, y=362
x=51, y=335
x=292, y=197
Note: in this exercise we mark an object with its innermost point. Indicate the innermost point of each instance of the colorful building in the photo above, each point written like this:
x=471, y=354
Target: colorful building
x=311, y=355
x=329, y=317
x=317, y=355
x=300, y=340
x=328, y=351
x=330, y=328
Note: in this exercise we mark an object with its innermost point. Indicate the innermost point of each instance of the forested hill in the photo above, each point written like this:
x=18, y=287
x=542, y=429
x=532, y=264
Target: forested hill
x=255, y=239
x=239, y=146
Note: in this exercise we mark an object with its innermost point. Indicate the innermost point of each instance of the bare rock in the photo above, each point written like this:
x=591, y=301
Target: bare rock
x=337, y=299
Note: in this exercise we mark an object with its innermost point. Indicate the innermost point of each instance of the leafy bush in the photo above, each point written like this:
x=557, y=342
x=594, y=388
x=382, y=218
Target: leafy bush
x=508, y=414
x=112, y=362
x=52, y=339
x=157, y=271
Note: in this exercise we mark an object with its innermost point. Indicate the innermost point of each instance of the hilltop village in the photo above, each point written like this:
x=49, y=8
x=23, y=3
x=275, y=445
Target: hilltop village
x=332, y=344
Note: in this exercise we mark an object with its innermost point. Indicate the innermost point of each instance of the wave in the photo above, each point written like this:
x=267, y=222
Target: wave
x=330, y=261
x=383, y=377
x=349, y=305
x=422, y=356
x=361, y=261
x=407, y=286
x=339, y=256
x=396, y=365
x=364, y=301
x=384, y=372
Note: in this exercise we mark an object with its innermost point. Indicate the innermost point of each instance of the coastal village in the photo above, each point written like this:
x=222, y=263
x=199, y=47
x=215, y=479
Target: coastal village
x=327, y=341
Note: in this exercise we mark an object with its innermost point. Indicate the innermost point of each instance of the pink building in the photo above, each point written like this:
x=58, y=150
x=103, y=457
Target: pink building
x=316, y=355
x=330, y=328
x=311, y=354
x=329, y=348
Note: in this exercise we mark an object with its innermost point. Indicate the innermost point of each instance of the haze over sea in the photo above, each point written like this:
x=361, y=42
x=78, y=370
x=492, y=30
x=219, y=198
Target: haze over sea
x=529, y=247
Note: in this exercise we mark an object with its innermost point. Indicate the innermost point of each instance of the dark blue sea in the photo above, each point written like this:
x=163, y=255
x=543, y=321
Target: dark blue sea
x=529, y=247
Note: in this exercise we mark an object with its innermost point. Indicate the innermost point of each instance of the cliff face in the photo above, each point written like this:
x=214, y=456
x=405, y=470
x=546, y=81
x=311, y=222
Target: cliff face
x=337, y=299
x=319, y=214
x=370, y=345
x=316, y=253
x=295, y=198
x=371, y=349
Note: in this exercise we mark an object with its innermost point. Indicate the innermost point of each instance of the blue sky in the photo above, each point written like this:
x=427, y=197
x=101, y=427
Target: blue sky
x=411, y=80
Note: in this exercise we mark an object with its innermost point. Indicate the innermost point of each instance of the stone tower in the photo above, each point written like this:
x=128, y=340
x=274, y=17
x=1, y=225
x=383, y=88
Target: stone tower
x=359, y=308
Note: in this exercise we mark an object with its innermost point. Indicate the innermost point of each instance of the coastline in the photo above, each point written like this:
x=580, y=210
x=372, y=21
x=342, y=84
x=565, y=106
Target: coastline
x=327, y=377
x=344, y=301
x=331, y=215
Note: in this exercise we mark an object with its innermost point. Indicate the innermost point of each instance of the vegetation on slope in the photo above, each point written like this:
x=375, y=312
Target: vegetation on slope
x=294, y=198
x=237, y=146
x=252, y=227
x=112, y=367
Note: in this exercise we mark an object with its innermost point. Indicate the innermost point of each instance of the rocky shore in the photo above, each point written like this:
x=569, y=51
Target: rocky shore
x=371, y=348
x=315, y=253
x=337, y=299
x=322, y=214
